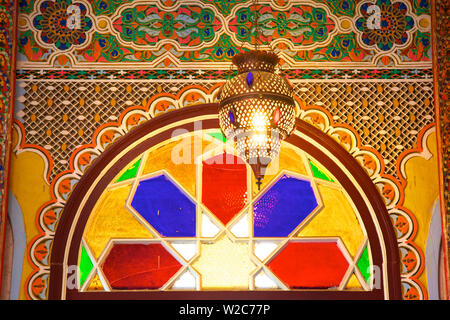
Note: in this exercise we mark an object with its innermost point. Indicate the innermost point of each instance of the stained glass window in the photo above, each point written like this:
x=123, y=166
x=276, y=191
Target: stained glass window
x=187, y=214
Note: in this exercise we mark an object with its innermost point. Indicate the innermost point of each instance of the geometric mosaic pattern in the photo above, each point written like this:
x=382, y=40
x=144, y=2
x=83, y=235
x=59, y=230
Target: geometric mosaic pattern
x=387, y=114
x=219, y=74
x=260, y=240
x=175, y=34
x=70, y=111
x=383, y=92
x=403, y=220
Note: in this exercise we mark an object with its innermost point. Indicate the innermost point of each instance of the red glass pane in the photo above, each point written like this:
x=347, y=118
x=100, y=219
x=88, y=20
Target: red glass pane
x=310, y=265
x=276, y=116
x=139, y=266
x=224, y=186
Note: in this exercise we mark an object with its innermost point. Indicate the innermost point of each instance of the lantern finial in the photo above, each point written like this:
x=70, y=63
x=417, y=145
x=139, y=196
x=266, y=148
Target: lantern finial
x=257, y=109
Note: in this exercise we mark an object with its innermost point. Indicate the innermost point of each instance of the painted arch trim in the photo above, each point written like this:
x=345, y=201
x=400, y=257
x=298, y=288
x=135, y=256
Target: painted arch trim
x=343, y=166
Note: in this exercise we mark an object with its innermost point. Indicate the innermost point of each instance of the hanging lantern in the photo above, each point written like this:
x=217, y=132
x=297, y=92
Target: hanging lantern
x=257, y=109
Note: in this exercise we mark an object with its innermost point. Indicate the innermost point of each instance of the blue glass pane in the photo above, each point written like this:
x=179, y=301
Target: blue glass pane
x=165, y=207
x=283, y=207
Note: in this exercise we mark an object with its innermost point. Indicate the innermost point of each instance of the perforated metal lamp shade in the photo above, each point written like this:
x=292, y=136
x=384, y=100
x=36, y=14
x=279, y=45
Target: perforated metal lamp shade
x=257, y=109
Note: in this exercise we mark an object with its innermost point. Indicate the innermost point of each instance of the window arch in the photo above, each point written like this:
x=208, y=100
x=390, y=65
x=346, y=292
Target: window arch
x=317, y=210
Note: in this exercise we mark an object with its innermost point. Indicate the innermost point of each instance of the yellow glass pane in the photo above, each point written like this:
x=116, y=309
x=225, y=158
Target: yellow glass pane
x=178, y=159
x=336, y=219
x=95, y=284
x=110, y=219
x=353, y=283
x=288, y=159
x=224, y=264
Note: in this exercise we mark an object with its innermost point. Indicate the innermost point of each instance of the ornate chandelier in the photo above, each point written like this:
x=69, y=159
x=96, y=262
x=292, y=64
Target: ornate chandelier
x=257, y=109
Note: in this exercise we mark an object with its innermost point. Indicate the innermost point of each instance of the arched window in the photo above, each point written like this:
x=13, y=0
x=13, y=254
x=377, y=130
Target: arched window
x=169, y=211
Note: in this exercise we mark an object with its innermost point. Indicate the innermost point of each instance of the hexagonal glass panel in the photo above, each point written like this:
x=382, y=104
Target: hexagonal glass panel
x=165, y=207
x=283, y=207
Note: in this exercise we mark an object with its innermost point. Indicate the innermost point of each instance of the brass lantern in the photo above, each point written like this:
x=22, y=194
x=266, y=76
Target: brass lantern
x=257, y=109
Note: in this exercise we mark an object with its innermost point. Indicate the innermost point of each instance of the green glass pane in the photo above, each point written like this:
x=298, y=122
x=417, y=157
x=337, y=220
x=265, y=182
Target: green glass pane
x=364, y=264
x=218, y=136
x=318, y=172
x=131, y=172
x=85, y=266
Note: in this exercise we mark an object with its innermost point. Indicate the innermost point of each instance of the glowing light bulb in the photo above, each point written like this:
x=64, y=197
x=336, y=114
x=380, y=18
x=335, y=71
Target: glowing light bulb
x=259, y=122
x=259, y=139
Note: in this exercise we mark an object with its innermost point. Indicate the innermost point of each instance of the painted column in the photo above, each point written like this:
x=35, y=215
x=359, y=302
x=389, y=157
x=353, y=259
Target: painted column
x=8, y=36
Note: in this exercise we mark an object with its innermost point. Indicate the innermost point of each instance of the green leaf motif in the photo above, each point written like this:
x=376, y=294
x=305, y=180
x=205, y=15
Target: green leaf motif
x=303, y=25
x=147, y=25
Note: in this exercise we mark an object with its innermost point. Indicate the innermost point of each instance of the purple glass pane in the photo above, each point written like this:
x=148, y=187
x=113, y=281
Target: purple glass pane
x=165, y=207
x=231, y=116
x=283, y=207
x=250, y=79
